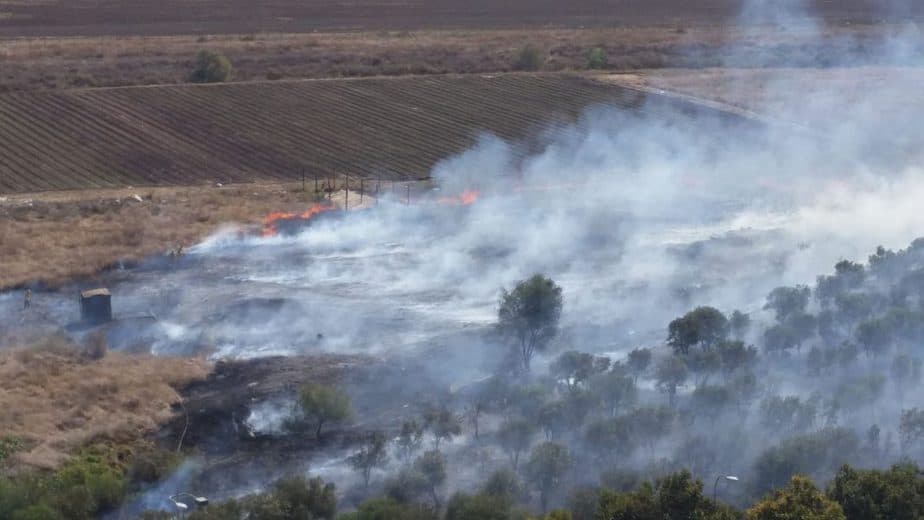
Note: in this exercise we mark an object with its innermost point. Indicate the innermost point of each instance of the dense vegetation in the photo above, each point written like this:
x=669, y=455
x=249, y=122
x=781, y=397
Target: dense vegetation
x=817, y=383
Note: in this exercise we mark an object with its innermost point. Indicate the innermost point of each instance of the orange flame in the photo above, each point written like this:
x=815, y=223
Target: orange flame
x=466, y=198
x=270, y=221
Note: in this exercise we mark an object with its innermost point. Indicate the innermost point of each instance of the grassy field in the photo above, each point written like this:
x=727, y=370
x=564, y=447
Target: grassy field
x=28, y=64
x=55, y=400
x=79, y=233
x=376, y=128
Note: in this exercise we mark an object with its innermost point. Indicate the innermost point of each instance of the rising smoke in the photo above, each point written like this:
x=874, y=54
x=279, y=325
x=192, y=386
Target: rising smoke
x=639, y=216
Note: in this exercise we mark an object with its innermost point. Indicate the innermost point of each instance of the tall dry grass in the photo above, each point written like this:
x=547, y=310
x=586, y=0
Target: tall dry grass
x=58, y=399
x=58, y=237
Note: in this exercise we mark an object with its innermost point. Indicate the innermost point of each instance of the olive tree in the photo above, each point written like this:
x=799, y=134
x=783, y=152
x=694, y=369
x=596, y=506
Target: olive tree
x=529, y=315
x=548, y=463
x=703, y=326
x=371, y=455
x=210, y=67
x=671, y=373
x=324, y=404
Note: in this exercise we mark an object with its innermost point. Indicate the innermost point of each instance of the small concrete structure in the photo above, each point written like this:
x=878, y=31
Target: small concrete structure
x=96, y=306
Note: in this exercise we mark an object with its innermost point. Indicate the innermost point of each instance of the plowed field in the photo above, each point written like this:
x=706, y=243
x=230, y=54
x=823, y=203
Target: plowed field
x=373, y=128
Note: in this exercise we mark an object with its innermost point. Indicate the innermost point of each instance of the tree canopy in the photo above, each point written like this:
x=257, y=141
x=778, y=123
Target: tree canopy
x=529, y=315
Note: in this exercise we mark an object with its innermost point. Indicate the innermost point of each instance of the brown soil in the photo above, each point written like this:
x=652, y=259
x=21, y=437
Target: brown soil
x=395, y=129
x=83, y=17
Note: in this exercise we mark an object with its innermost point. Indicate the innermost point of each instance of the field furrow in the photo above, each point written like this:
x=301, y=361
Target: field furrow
x=384, y=128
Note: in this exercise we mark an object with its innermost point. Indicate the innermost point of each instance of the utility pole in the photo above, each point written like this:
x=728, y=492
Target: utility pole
x=362, y=184
x=346, y=193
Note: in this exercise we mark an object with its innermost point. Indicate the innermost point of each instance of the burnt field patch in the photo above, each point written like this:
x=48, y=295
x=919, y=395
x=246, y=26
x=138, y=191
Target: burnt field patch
x=379, y=128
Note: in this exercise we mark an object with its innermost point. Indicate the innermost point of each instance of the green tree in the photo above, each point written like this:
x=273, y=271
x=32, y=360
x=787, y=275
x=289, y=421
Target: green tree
x=735, y=356
x=574, y=368
x=650, y=424
x=389, y=509
x=596, y=58
x=515, y=436
x=432, y=465
x=786, y=301
x=548, y=463
x=671, y=373
x=738, y=324
x=875, y=336
x=503, y=483
x=529, y=315
x=894, y=494
x=443, y=424
x=477, y=507
x=615, y=391
x=409, y=439
x=911, y=428
x=529, y=58
x=787, y=414
x=710, y=401
x=210, y=67
x=799, y=500
x=373, y=454
x=612, y=438
x=704, y=326
x=906, y=372
x=819, y=453
x=639, y=360
x=323, y=404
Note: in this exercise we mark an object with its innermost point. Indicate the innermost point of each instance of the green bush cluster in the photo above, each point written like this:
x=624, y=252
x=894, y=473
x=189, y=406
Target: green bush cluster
x=96, y=480
x=211, y=67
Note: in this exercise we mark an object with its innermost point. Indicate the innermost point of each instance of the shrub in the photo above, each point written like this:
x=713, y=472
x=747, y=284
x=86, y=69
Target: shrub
x=211, y=67
x=529, y=57
x=596, y=58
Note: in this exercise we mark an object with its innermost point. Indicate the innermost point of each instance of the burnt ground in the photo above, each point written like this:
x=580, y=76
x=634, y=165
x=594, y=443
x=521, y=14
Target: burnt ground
x=91, y=17
x=384, y=392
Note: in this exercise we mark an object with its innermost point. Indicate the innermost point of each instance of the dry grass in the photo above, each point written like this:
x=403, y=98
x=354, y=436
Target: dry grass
x=57, y=237
x=135, y=60
x=58, y=400
x=779, y=90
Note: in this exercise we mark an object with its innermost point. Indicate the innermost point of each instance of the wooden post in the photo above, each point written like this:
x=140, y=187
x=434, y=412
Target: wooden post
x=346, y=193
x=304, y=188
x=362, y=184
x=316, y=183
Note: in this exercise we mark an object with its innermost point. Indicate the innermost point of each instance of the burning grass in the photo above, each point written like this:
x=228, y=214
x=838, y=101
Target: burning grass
x=54, y=400
x=55, y=238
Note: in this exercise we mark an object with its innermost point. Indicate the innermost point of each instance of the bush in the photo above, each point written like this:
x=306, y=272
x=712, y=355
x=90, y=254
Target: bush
x=596, y=58
x=211, y=67
x=530, y=57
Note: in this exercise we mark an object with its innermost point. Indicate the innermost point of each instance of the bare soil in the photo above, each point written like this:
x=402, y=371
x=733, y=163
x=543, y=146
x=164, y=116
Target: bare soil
x=90, y=17
x=377, y=129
